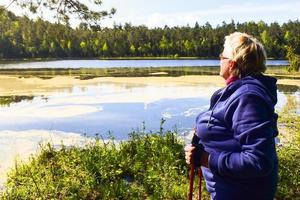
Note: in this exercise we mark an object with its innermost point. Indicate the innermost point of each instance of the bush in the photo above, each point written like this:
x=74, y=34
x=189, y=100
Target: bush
x=289, y=152
x=144, y=167
x=293, y=59
x=289, y=173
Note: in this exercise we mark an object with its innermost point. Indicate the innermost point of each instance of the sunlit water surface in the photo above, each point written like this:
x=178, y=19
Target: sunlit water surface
x=119, y=63
x=112, y=107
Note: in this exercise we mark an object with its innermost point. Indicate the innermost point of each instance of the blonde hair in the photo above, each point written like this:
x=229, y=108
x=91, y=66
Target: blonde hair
x=247, y=52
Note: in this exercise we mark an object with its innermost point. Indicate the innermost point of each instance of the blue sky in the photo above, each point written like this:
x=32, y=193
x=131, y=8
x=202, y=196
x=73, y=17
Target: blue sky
x=158, y=13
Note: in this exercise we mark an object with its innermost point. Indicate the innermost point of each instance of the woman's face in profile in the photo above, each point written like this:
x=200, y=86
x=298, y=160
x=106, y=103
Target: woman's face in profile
x=225, y=60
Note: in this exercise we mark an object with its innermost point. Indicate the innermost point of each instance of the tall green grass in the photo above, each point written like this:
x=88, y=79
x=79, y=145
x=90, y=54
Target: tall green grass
x=144, y=167
x=289, y=151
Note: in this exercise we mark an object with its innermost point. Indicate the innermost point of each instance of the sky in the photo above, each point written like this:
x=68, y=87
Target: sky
x=158, y=13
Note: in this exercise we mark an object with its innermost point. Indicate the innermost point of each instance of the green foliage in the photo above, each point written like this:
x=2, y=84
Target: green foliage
x=164, y=45
x=64, y=10
x=289, y=162
x=289, y=151
x=105, y=48
x=132, y=49
x=144, y=167
x=21, y=37
x=289, y=172
x=294, y=60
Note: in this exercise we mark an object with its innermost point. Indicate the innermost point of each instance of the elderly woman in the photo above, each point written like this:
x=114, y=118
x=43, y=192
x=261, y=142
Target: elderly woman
x=239, y=160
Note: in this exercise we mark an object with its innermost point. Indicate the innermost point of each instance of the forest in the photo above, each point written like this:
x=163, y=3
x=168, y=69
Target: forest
x=21, y=37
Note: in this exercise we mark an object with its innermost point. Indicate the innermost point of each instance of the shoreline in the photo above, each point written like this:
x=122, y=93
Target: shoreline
x=15, y=85
x=119, y=58
x=21, y=145
x=110, y=58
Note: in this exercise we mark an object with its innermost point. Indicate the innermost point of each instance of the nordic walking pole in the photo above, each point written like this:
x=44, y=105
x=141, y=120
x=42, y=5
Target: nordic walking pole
x=195, y=141
x=200, y=183
x=191, y=174
x=192, y=170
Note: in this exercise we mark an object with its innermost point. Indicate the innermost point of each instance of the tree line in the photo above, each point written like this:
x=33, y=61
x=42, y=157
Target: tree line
x=21, y=37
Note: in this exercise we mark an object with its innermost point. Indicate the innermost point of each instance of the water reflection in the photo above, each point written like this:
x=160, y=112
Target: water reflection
x=24, y=143
x=7, y=100
x=117, y=107
x=288, y=88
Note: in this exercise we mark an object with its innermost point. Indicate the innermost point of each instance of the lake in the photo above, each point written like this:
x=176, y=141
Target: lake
x=108, y=104
x=97, y=107
x=102, y=106
x=118, y=63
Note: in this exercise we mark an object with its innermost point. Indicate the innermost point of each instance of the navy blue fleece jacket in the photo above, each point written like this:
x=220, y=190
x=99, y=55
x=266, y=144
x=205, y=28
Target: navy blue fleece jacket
x=238, y=132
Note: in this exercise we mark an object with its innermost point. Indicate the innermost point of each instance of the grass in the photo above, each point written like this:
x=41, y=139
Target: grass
x=289, y=151
x=145, y=167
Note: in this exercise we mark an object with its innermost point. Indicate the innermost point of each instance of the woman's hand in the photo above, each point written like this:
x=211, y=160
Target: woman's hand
x=189, y=153
x=189, y=149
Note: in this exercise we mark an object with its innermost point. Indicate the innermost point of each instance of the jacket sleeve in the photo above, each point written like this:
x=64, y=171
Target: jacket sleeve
x=252, y=124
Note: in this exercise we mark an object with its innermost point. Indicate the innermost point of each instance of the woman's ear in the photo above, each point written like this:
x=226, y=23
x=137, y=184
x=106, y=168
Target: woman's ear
x=232, y=65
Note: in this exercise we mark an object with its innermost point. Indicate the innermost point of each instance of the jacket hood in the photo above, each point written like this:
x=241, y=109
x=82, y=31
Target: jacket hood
x=266, y=86
x=261, y=85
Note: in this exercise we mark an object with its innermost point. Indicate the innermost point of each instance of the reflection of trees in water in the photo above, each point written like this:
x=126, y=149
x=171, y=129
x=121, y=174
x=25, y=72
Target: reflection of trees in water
x=90, y=73
x=291, y=106
x=7, y=100
x=288, y=119
x=288, y=89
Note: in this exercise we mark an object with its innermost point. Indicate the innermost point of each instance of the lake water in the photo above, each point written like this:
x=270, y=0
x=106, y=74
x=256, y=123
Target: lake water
x=101, y=107
x=118, y=107
x=104, y=107
x=118, y=63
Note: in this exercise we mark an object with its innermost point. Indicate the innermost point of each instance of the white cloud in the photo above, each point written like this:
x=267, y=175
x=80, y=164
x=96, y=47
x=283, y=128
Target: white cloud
x=240, y=12
x=138, y=13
